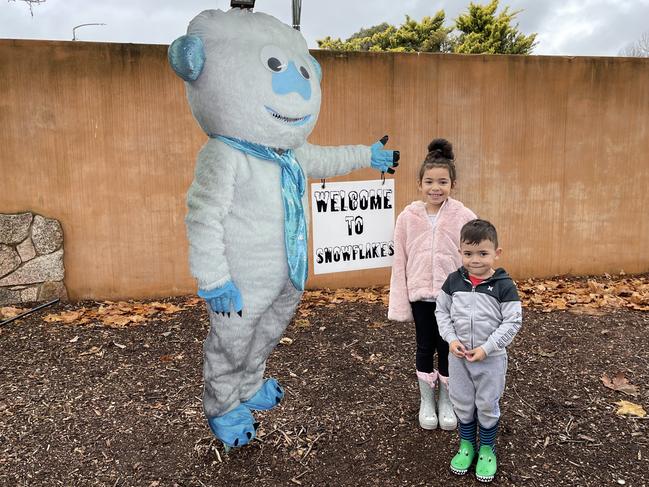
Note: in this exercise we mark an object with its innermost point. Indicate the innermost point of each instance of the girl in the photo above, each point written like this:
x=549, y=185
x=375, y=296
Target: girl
x=426, y=243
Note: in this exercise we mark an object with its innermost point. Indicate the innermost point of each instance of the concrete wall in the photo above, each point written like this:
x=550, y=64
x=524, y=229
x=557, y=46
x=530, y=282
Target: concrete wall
x=553, y=150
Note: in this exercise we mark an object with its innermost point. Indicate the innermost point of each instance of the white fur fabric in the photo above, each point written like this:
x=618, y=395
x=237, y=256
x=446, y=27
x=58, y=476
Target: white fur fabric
x=235, y=218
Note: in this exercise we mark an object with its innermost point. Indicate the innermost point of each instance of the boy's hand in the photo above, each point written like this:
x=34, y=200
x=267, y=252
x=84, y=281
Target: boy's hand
x=457, y=349
x=476, y=355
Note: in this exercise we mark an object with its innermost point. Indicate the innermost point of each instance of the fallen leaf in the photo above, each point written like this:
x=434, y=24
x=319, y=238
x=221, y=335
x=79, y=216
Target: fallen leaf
x=120, y=321
x=376, y=325
x=10, y=311
x=586, y=310
x=66, y=317
x=286, y=341
x=637, y=298
x=93, y=351
x=119, y=345
x=620, y=383
x=302, y=323
x=167, y=308
x=193, y=301
x=630, y=408
x=543, y=353
x=357, y=357
x=116, y=320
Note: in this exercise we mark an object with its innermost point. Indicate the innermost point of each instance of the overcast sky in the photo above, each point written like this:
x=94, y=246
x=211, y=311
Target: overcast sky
x=564, y=27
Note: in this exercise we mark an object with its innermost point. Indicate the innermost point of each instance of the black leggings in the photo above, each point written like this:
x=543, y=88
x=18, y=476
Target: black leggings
x=428, y=339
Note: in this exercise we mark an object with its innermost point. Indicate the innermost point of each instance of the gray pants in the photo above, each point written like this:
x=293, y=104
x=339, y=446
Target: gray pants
x=475, y=388
x=236, y=349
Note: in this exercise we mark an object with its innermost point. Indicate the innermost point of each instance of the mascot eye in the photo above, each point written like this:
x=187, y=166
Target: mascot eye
x=304, y=72
x=274, y=64
x=274, y=59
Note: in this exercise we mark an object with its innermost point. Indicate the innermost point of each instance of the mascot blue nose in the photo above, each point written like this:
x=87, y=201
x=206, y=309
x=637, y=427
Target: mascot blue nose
x=291, y=81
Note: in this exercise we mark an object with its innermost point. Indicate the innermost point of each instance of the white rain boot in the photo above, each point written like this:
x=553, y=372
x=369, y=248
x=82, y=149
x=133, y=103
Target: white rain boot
x=427, y=416
x=447, y=419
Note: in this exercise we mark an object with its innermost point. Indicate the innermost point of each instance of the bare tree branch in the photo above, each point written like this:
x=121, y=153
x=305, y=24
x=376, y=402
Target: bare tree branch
x=30, y=3
x=639, y=48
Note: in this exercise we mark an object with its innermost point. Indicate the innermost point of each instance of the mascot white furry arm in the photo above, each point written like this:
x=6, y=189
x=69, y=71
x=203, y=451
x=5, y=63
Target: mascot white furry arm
x=255, y=90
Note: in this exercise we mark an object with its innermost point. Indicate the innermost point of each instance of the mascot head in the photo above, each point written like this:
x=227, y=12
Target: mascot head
x=248, y=76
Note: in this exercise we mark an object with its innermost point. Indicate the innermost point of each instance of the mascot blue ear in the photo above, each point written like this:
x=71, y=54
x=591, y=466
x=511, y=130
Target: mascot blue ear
x=316, y=66
x=187, y=57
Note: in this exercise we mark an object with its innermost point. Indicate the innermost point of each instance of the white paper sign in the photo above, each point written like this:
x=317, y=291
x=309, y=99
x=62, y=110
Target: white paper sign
x=353, y=225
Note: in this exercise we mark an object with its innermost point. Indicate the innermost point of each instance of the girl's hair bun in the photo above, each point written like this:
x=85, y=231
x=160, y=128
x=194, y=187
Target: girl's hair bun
x=441, y=148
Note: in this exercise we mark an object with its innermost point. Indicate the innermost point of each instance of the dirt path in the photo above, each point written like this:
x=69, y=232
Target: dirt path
x=92, y=405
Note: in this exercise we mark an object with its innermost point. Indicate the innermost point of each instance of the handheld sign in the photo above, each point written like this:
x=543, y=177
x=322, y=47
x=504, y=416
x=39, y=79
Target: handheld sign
x=353, y=225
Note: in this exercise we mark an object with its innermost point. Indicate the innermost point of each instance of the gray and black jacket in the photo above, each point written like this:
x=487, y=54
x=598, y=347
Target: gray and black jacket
x=487, y=315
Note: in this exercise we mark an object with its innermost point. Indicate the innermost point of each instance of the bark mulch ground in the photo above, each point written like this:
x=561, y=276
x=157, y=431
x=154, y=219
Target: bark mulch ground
x=91, y=404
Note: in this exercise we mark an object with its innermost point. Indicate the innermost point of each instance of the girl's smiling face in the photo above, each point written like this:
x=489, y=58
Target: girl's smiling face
x=435, y=187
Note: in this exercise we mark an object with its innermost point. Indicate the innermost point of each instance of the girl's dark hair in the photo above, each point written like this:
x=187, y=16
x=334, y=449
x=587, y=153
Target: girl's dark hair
x=440, y=154
x=477, y=230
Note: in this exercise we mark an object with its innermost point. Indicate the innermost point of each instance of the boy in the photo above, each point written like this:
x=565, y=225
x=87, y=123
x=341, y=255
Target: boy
x=478, y=313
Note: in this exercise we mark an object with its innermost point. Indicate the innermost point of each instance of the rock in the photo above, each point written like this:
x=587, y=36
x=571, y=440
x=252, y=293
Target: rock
x=44, y=268
x=14, y=228
x=9, y=296
x=52, y=290
x=26, y=250
x=29, y=294
x=9, y=260
x=47, y=235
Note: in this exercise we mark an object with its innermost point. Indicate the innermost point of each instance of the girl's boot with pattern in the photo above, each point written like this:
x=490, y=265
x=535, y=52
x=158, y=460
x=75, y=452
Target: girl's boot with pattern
x=427, y=416
x=447, y=419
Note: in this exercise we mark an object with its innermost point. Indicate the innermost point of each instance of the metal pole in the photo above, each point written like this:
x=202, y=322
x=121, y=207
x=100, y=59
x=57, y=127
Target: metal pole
x=74, y=34
x=297, y=13
x=41, y=306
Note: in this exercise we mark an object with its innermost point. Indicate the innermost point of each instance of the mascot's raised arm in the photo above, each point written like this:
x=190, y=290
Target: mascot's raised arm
x=255, y=90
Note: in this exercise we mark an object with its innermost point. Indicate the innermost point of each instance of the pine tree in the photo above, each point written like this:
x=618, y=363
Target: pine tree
x=429, y=35
x=484, y=32
x=479, y=31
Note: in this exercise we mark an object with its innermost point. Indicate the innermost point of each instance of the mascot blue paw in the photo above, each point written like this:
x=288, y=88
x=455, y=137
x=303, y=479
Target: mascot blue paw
x=235, y=428
x=384, y=160
x=223, y=299
x=267, y=397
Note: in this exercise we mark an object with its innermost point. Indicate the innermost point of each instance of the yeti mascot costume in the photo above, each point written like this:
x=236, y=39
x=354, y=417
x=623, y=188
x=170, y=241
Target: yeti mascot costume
x=255, y=90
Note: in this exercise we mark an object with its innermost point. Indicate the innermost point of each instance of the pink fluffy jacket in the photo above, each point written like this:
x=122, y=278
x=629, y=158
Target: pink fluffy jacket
x=423, y=257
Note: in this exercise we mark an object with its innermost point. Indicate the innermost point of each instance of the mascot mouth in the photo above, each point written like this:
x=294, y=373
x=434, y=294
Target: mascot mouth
x=288, y=120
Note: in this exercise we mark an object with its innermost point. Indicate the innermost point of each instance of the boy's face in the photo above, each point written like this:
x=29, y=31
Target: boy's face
x=479, y=259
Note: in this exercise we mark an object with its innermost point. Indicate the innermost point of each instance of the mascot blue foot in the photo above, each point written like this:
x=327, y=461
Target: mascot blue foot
x=235, y=428
x=267, y=397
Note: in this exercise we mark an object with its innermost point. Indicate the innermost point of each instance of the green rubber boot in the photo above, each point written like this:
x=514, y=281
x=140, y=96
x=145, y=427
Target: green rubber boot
x=463, y=458
x=486, y=467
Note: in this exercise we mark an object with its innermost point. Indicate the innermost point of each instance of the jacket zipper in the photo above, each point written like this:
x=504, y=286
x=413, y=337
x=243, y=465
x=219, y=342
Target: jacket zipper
x=473, y=301
x=473, y=296
x=432, y=253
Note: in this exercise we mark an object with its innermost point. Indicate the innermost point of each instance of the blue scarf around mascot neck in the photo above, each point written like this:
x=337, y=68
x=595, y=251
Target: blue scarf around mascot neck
x=293, y=183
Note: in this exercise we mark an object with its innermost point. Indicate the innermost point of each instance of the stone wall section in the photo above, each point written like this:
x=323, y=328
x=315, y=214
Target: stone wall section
x=31, y=259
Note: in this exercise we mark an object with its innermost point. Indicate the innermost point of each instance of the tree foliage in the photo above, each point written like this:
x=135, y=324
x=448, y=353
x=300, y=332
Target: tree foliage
x=479, y=30
x=429, y=35
x=484, y=32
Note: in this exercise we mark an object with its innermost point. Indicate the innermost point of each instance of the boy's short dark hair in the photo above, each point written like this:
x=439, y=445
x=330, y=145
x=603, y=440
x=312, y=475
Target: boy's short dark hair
x=477, y=230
